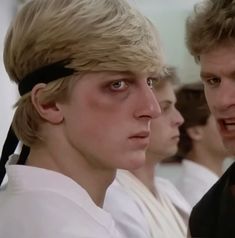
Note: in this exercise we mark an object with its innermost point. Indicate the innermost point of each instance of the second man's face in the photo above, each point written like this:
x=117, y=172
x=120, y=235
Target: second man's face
x=218, y=75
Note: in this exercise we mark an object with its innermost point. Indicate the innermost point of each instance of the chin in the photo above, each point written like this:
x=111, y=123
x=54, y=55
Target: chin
x=135, y=161
x=171, y=152
x=230, y=148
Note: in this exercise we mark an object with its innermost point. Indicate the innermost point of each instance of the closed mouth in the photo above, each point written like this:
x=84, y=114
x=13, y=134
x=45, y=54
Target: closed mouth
x=141, y=135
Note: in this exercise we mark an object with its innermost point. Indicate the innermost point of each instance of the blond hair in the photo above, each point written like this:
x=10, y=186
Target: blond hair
x=168, y=74
x=96, y=35
x=212, y=23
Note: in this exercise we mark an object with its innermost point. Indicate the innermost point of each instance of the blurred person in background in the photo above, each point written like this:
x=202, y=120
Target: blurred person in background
x=200, y=148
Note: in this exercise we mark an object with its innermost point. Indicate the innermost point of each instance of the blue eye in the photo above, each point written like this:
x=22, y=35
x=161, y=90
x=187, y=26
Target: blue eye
x=118, y=85
x=153, y=82
x=150, y=82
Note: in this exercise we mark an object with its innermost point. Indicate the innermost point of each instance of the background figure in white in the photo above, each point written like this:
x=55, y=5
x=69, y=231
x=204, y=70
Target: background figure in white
x=200, y=148
x=143, y=205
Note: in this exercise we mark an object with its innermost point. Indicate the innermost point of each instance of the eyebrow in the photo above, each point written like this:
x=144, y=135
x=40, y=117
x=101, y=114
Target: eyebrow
x=132, y=74
x=117, y=75
x=207, y=74
x=120, y=72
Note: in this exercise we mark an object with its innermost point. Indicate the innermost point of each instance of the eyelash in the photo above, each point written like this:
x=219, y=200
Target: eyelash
x=118, y=89
x=212, y=82
x=150, y=82
x=165, y=108
x=154, y=81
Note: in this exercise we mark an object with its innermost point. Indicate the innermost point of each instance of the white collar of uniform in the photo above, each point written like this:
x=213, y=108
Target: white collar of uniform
x=166, y=188
x=199, y=171
x=23, y=178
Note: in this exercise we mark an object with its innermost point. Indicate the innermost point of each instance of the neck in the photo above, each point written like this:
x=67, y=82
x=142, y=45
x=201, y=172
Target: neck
x=59, y=158
x=212, y=162
x=146, y=175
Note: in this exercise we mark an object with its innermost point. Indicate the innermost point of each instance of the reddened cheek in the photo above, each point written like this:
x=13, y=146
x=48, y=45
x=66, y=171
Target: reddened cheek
x=102, y=104
x=49, y=112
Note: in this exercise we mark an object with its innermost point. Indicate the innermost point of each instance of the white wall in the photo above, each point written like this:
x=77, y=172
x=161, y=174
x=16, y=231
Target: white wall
x=169, y=17
x=8, y=91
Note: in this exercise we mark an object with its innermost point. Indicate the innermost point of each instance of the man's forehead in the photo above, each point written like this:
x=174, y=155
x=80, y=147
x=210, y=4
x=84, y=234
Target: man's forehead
x=133, y=73
x=210, y=72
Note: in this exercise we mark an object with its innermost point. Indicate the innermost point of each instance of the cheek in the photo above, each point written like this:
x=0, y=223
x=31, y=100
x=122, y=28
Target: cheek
x=209, y=99
x=157, y=133
x=215, y=132
x=101, y=115
x=101, y=106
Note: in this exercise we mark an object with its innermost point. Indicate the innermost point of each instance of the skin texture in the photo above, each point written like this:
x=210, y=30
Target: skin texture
x=211, y=139
x=218, y=75
x=105, y=125
x=164, y=135
x=165, y=129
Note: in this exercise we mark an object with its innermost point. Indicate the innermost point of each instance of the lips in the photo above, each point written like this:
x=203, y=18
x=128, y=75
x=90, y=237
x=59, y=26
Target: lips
x=227, y=127
x=140, y=140
x=143, y=135
x=176, y=137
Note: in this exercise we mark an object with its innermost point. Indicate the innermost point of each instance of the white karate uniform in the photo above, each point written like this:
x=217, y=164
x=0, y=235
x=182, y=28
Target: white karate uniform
x=39, y=203
x=166, y=187
x=194, y=181
x=139, y=214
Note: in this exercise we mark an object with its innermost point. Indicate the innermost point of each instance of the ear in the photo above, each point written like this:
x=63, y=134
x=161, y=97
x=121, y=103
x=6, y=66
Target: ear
x=49, y=111
x=195, y=133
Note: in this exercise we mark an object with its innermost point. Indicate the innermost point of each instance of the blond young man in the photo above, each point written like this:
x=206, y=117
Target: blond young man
x=143, y=205
x=84, y=70
x=211, y=40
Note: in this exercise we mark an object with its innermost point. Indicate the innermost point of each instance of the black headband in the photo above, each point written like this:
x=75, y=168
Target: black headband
x=45, y=74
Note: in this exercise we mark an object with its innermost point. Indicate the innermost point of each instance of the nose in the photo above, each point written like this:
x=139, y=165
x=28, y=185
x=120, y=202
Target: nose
x=147, y=104
x=178, y=118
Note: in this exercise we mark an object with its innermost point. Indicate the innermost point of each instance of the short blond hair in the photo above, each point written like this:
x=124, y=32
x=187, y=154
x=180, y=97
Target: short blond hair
x=168, y=74
x=96, y=35
x=212, y=23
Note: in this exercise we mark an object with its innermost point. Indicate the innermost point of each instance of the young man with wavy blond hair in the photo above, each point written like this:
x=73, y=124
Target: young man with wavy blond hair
x=84, y=70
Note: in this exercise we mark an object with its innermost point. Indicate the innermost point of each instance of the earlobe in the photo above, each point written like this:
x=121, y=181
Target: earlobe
x=48, y=111
x=195, y=133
